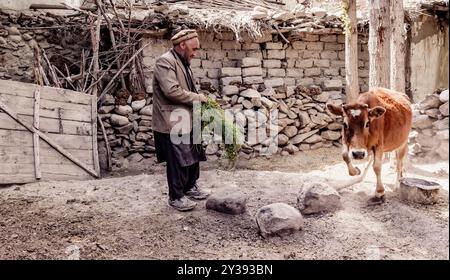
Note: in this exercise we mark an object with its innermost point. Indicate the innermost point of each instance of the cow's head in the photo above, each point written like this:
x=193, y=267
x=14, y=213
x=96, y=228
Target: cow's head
x=357, y=118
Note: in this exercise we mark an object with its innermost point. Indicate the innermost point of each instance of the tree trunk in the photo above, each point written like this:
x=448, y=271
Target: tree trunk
x=398, y=47
x=379, y=36
x=351, y=54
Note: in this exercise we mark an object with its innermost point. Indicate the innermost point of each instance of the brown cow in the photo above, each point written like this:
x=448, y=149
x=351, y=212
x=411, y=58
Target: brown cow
x=378, y=122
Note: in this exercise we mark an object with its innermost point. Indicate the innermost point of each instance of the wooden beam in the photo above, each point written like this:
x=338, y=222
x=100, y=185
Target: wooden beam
x=52, y=143
x=37, y=166
x=152, y=33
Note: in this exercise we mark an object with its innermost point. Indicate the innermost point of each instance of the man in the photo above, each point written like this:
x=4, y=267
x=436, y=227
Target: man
x=174, y=94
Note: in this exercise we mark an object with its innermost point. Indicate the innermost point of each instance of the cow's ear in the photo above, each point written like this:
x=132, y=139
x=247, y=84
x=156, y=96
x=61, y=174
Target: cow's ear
x=376, y=112
x=335, y=109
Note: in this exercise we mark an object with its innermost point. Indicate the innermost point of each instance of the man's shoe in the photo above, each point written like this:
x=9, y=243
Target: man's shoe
x=196, y=193
x=183, y=204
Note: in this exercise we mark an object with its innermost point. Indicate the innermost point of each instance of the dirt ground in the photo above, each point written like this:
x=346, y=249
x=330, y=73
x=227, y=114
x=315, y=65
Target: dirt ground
x=125, y=216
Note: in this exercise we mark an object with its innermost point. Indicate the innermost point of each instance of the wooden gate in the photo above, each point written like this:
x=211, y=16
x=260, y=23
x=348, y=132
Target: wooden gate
x=46, y=134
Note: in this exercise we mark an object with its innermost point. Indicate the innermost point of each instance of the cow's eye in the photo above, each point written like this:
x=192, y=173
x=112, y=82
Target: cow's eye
x=345, y=126
x=367, y=124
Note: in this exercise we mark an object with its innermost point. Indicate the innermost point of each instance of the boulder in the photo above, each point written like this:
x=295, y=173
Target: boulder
x=315, y=197
x=228, y=201
x=278, y=219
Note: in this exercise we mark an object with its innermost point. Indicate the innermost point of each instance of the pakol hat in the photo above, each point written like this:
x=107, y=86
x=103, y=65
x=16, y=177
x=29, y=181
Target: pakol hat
x=183, y=35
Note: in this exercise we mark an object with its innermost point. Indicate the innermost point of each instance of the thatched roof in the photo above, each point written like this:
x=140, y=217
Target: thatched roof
x=253, y=16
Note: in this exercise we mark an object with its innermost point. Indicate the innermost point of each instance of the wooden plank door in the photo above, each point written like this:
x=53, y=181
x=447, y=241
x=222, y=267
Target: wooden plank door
x=46, y=134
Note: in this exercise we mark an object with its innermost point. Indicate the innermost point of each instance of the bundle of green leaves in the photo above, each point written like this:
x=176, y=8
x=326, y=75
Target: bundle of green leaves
x=229, y=130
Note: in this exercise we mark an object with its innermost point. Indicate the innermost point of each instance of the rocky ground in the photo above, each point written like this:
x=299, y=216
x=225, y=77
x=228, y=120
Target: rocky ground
x=125, y=216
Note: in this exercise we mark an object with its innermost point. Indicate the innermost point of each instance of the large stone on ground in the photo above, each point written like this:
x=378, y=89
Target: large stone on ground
x=315, y=197
x=278, y=219
x=228, y=201
x=118, y=120
x=419, y=191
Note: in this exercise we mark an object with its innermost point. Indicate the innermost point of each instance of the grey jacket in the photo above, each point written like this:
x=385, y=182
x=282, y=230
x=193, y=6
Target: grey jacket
x=171, y=95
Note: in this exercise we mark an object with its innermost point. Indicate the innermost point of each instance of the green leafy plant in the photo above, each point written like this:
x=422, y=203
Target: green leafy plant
x=217, y=114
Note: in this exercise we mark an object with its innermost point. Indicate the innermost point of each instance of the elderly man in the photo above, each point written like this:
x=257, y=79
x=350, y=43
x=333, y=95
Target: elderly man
x=174, y=94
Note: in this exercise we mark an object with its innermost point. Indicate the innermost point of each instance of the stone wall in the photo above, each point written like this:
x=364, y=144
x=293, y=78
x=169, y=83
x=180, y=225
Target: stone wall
x=19, y=33
x=250, y=78
x=310, y=61
x=429, y=137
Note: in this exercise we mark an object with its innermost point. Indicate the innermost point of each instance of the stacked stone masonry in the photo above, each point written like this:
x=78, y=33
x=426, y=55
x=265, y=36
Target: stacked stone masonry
x=251, y=78
x=429, y=137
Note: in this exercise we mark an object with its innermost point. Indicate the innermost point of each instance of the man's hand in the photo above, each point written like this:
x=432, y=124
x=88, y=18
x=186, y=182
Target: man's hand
x=202, y=98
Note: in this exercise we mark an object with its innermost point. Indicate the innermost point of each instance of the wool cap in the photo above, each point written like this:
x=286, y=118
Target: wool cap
x=183, y=35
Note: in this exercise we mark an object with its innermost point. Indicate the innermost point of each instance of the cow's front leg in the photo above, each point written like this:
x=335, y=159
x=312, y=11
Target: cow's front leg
x=379, y=192
x=352, y=171
x=400, y=155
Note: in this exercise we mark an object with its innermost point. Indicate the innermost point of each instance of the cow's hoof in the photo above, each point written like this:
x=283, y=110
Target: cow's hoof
x=355, y=171
x=376, y=200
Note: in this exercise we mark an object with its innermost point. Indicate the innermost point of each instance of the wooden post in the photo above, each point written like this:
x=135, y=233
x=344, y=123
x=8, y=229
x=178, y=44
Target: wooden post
x=37, y=164
x=398, y=47
x=95, y=38
x=94, y=134
x=351, y=51
x=379, y=36
x=108, y=148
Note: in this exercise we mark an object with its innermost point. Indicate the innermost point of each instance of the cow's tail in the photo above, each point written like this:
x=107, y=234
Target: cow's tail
x=356, y=179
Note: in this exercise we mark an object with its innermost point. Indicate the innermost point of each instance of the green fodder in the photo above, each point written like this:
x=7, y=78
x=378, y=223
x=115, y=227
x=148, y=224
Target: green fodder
x=217, y=117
